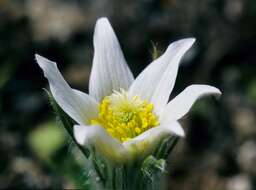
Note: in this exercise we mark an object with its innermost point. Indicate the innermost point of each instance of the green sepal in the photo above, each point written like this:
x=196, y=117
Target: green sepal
x=165, y=147
x=151, y=166
x=153, y=171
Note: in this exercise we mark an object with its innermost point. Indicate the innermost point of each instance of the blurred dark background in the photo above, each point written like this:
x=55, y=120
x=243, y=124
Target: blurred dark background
x=219, y=151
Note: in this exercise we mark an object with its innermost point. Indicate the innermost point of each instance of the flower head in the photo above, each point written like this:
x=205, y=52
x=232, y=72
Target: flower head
x=125, y=117
x=122, y=117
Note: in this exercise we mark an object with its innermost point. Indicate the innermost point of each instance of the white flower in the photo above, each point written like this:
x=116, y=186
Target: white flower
x=123, y=117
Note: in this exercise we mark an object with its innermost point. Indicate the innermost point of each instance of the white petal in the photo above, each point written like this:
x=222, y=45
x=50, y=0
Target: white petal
x=146, y=83
x=98, y=137
x=182, y=103
x=165, y=86
x=146, y=143
x=79, y=106
x=90, y=106
x=110, y=70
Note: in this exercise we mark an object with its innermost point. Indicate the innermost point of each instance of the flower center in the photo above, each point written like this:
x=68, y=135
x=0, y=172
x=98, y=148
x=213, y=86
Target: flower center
x=125, y=117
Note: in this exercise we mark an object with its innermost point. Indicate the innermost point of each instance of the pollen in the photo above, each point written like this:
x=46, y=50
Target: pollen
x=125, y=117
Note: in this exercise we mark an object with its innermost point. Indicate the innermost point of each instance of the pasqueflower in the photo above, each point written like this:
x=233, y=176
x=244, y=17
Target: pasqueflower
x=125, y=118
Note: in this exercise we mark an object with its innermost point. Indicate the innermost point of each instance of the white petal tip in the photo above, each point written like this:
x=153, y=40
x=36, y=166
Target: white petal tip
x=185, y=42
x=189, y=41
x=176, y=129
x=79, y=134
x=40, y=58
x=179, y=131
x=216, y=92
x=103, y=21
x=43, y=62
x=219, y=92
x=37, y=56
x=102, y=27
x=210, y=90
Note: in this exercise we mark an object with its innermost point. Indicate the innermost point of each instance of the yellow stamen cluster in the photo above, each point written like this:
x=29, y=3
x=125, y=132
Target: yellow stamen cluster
x=124, y=117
